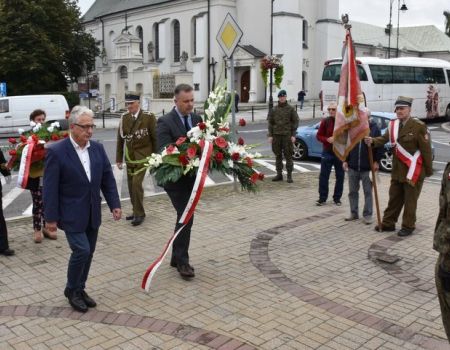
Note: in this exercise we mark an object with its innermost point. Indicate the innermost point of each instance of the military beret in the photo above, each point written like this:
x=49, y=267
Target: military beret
x=131, y=97
x=282, y=93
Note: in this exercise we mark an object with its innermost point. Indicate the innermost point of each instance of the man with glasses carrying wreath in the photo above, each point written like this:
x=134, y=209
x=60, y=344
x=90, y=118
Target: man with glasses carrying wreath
x=137, y=132
x=329, y=159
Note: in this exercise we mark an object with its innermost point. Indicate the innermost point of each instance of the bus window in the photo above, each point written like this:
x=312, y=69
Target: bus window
x=403, y=75
x=448, y=76
x=438, y=75
x=381, y=74
x=333, y=73
x=428, y=75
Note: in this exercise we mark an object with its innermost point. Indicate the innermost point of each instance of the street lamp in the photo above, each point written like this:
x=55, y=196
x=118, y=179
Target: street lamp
x=402, y=8
x=271, y=53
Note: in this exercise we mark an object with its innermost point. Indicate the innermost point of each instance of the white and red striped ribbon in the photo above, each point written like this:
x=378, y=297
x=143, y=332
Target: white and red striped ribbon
x=25, y=163
x=413, y=162
x=202, y=172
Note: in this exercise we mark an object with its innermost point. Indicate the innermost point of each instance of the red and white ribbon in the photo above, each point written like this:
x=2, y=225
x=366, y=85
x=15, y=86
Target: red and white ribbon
x=413, y=162
x=25, y=163
x=202, y=172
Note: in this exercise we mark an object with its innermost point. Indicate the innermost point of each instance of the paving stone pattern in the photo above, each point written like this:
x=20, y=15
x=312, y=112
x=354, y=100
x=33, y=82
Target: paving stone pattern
x=274, y=271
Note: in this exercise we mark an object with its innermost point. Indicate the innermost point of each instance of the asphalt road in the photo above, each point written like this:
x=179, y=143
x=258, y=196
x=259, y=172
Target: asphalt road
x=17, y=202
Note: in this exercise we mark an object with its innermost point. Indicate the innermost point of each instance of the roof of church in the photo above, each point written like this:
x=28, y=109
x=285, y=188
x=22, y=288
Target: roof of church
x=106, y=7
x=253, y=51
x=421, y=38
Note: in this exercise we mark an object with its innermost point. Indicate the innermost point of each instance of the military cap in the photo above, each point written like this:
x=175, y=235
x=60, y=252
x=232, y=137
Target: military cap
x=282, y=93
x=403, y=101
x=131, y=97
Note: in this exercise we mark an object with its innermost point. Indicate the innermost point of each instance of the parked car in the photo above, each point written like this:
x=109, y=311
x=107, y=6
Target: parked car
x=307, y=145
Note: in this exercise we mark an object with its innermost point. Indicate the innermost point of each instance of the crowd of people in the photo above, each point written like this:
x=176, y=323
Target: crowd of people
x=67, y=191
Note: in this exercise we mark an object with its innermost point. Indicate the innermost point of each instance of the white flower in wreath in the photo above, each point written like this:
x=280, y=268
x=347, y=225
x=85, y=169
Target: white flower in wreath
x=257, y=155
x=37, y=127
x=20, y=131
x=208, y=113
x=32, y=124
x=194, y=133
x=51, y=128
x=230, y=163
x=55, y=125
x=193, y=163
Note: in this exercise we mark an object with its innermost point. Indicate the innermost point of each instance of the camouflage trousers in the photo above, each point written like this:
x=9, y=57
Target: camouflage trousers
x=443, y=295
x=282, y=145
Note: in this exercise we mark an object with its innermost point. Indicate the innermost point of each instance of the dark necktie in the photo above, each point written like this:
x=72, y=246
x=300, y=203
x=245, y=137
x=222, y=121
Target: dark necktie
x=186, y=123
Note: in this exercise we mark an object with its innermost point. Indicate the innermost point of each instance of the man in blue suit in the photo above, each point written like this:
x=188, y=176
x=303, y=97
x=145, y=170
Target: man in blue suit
x=76, y=169
x=170, y=127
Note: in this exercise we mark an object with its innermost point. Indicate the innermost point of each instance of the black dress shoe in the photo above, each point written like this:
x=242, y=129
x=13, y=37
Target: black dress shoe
x=77, y=302
x=384, y=228
x=7, y=252
x=87, y=299
x=137, y=220
x=186, y=270
x=129, y=217
x=403, y=232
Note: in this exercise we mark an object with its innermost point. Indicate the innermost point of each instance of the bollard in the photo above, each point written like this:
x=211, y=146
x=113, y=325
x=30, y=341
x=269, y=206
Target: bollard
x=253, y=113
x=103, y=118
x=314, y=110
x=164, y=112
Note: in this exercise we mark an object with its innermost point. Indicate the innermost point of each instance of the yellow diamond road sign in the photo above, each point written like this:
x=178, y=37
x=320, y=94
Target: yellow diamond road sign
x=229, y=35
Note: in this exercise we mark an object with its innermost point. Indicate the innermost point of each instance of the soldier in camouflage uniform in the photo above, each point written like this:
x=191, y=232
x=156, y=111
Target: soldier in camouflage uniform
x=441, y=243
x=283, y=123
x=412, y=136
x=137, y=131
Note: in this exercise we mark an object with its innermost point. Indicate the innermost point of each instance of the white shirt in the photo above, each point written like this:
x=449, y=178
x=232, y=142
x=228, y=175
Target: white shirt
x=137, y=114
x=83, y=154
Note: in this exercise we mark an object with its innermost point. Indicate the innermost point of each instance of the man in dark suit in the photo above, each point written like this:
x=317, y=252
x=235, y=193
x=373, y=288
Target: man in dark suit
x=76, y=169
x=169, y=128
x=4, y=246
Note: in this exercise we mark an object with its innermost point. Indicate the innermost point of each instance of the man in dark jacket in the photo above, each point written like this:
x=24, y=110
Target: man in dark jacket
x=357, y=166
x=170, y=127
x=4, y=246
x=329, y=159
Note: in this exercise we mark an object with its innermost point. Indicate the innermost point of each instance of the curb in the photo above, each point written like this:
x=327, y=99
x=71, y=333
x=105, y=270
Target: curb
x=446, y=126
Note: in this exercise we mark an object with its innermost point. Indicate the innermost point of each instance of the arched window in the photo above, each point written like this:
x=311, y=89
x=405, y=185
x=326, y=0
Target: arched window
x=176, y=41
x=123, y=72
x=140, y=35
x=305, y=34
x=156, y=40
x=304, y=81
x=110, y=45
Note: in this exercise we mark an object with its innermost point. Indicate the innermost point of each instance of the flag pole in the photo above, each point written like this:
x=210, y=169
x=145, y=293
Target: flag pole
x=375, y=189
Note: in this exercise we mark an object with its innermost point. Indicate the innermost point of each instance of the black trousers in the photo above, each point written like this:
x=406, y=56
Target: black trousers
x=180, y=198
x=3, y=230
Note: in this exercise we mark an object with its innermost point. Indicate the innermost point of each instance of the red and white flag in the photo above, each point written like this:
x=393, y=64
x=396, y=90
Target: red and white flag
x=351, y=124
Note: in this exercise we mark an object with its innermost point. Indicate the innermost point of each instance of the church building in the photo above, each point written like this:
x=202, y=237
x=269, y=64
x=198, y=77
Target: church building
x=149, y=46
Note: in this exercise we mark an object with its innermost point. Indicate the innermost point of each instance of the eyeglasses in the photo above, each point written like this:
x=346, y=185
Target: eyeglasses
x=86, y=127
x=331, y=109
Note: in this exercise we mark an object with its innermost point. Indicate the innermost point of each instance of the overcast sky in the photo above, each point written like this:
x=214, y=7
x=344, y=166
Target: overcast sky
x=420, y=12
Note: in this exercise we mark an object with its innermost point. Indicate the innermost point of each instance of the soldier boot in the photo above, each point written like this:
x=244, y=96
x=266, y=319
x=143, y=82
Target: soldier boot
x=289, y=178
x=279, y=177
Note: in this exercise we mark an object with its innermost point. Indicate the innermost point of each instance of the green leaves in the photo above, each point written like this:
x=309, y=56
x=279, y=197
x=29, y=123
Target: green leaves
x=42, y=45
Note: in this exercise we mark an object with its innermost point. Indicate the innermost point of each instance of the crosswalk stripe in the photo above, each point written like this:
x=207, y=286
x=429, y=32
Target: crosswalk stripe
x=301, y=169
x=11, y=196
x=266, y=164
x=28, y=211
x=118, y=175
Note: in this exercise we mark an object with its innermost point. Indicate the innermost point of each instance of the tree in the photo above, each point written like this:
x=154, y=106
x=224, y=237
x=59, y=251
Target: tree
x=447, y=22
x=43, y=45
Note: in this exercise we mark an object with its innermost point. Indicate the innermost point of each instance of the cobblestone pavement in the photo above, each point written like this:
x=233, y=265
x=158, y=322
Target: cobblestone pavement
x=274, y=271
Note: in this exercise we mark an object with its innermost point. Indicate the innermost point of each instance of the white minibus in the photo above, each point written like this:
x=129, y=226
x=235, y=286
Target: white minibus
x=426, y=80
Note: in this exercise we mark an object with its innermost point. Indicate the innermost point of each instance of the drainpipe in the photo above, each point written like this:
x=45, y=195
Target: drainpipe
x=209, y=46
